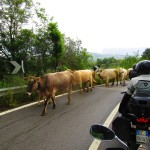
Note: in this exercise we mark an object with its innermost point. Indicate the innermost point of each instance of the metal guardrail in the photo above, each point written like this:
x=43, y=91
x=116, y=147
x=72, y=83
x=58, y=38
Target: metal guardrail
x=12, y=90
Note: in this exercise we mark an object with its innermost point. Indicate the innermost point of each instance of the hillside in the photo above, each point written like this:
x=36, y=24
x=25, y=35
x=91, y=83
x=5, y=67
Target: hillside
x=98, y=55
x=117, y=53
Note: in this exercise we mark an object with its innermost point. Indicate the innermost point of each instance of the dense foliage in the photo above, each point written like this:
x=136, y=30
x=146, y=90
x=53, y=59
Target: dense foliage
x=146, y=54
x=27, y=34
x=42, y=47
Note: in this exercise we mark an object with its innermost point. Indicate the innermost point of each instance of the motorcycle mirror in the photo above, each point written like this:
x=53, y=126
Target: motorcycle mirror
x=101, y=132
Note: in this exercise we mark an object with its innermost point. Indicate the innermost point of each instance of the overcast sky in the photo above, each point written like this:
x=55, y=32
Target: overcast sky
x=103, y=25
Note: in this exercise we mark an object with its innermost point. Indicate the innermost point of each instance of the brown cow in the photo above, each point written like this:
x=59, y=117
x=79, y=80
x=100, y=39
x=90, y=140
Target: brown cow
x=83, y=78
x=50, y=84
x=122, y=76
x=107, y=75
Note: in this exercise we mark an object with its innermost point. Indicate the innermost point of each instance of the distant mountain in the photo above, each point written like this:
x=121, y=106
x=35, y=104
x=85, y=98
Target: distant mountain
x=124, y=51
x=117, y=53
x=99, y=55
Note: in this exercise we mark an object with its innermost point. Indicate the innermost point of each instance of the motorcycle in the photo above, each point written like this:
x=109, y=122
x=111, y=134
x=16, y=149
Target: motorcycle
x=132, y=129
x=134, y=126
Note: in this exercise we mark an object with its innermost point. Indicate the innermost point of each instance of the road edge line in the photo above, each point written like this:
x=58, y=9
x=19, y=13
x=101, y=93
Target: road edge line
x=96, y=143
x=27, y=105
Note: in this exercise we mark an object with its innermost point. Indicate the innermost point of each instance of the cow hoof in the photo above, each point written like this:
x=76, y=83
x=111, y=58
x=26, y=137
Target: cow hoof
x=43, y=114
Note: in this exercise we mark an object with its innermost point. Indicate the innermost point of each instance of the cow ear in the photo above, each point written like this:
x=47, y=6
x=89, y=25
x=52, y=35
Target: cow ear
x=32, y=80
x=100, y=70
x=38, y=79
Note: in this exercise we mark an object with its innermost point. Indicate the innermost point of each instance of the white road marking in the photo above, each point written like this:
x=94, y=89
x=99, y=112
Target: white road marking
x=24, y=106
x=96, y=143
x=18, y=108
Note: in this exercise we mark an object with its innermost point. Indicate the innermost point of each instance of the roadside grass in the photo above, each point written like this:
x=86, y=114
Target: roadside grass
x=12, y=81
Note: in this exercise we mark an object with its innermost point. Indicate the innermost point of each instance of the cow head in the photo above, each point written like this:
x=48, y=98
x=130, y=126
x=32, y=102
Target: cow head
x=99, y=73
x=33, y=84
x=120, y=72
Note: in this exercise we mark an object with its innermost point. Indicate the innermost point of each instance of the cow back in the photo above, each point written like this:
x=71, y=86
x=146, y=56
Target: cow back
x=59, y=81
x=82, y=76
x=108, y=74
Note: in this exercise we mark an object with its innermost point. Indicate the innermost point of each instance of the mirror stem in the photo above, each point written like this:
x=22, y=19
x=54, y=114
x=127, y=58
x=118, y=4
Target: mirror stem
x=121, y=142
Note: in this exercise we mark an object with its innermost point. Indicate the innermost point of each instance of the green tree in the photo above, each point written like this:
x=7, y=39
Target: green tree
x=76, y=57
x=107, y=62
x=19, y=43
x=14, y=14
x=57, y=44
x=25, y=40
x=129, y=61
x=146, y=54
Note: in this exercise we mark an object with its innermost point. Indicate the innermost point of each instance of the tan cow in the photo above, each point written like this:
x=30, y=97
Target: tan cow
x=83, y=78
x=108, y=74
x=50, y=84
x=123, y=73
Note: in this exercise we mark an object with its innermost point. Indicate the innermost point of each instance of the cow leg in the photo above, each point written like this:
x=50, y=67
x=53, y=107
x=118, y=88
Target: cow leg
x=113, y=82
x=69, y=96
x=45, y=105
x=83, y=86
x=107, y=81
x=38, y=97
x=53, y=101
x=91, y=88
x=86, y=86
x=81, y=89
x=117, y=81
x=89, y=85
x=120, y=81
x=39, y=102
x=124, y=83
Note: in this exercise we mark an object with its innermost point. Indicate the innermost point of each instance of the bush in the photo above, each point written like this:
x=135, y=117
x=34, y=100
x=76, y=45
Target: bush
x=15, y=100
x=12, y=81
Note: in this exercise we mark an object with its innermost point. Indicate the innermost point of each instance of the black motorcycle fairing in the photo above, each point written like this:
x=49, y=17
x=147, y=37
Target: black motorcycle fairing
x=124, y=108
x=121, y=127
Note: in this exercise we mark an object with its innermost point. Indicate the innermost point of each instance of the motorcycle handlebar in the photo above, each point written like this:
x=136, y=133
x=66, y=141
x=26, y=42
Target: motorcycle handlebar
x=123, y=92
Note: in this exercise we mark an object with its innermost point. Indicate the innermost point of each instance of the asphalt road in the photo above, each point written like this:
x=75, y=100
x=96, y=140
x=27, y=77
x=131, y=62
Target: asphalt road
x=63, y=128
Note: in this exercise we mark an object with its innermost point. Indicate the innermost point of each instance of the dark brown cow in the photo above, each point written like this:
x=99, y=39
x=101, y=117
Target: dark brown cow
x=50, y=84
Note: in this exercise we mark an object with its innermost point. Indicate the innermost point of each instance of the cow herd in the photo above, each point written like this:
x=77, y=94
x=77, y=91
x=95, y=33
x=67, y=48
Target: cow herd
x=49, y=84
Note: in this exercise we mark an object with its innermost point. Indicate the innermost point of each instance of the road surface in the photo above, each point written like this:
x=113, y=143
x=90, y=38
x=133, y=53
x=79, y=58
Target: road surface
x=64, y=128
